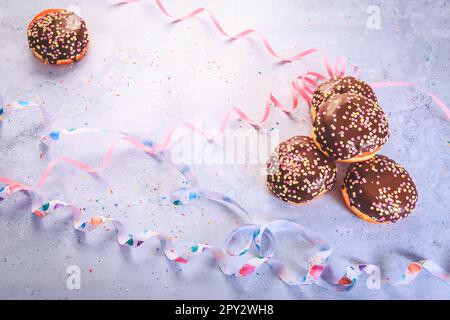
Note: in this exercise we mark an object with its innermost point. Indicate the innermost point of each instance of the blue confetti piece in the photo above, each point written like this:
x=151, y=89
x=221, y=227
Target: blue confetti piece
x=177, y=202
x=148, y=143
x=1, y=111
x=243, y=252
x=192, y=196
x=54, y=135
x=23, y=103
x=2, y=188
x=226, y=199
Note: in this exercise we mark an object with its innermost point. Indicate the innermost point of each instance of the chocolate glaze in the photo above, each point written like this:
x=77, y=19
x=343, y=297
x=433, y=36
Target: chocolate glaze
x=339, y=86
x=298, y=172
x=348, y=125
x=58, y=35
x=381, y=188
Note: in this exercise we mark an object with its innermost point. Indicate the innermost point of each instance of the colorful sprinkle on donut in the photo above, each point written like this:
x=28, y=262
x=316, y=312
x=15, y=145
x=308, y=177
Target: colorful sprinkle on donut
x=58, y=36
x=379, y=190
x=298, y=172
x=339, y=86
x=350, y=128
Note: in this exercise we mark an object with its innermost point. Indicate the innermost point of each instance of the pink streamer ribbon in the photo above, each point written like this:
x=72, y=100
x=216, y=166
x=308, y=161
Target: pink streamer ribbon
x=337, y=72
x=332, y=73
x=390, y=84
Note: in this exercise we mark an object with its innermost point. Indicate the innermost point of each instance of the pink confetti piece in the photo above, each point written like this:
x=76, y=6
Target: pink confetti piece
x=246, y=270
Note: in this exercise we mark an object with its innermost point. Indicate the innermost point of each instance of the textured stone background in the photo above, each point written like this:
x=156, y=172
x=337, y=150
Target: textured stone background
x=143, y=75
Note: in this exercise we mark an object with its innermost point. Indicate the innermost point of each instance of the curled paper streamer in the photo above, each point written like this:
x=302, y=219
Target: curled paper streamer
x=239, y=35
x=302, y=86
x=261, y=238
x=308, y=84
x=415, y=268
x=226, y=261
x=7, y=108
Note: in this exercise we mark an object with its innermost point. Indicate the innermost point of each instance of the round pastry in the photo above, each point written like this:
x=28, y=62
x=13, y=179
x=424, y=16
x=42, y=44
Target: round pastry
x=58, y=36
x=298, y=172
x=350, y=128
x=339, y=86
x=379, y=190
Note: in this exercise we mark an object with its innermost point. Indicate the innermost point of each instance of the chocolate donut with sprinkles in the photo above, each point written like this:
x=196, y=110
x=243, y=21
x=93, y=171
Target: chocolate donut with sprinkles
x=58, y=36
x=350, y=128
x=379, y=190
x=298, y=172
x=339, y=86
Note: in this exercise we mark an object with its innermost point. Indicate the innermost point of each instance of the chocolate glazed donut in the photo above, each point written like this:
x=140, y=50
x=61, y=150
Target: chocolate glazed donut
x=379, y=190
x=350, y=128
x=339, y=86
x=58, y=36
x=298, y=172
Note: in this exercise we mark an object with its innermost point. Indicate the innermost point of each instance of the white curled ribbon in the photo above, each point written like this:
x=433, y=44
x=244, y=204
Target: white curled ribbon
x=7, y=107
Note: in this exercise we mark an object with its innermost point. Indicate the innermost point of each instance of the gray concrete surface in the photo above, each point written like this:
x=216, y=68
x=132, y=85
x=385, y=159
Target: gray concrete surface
x=143, y=75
